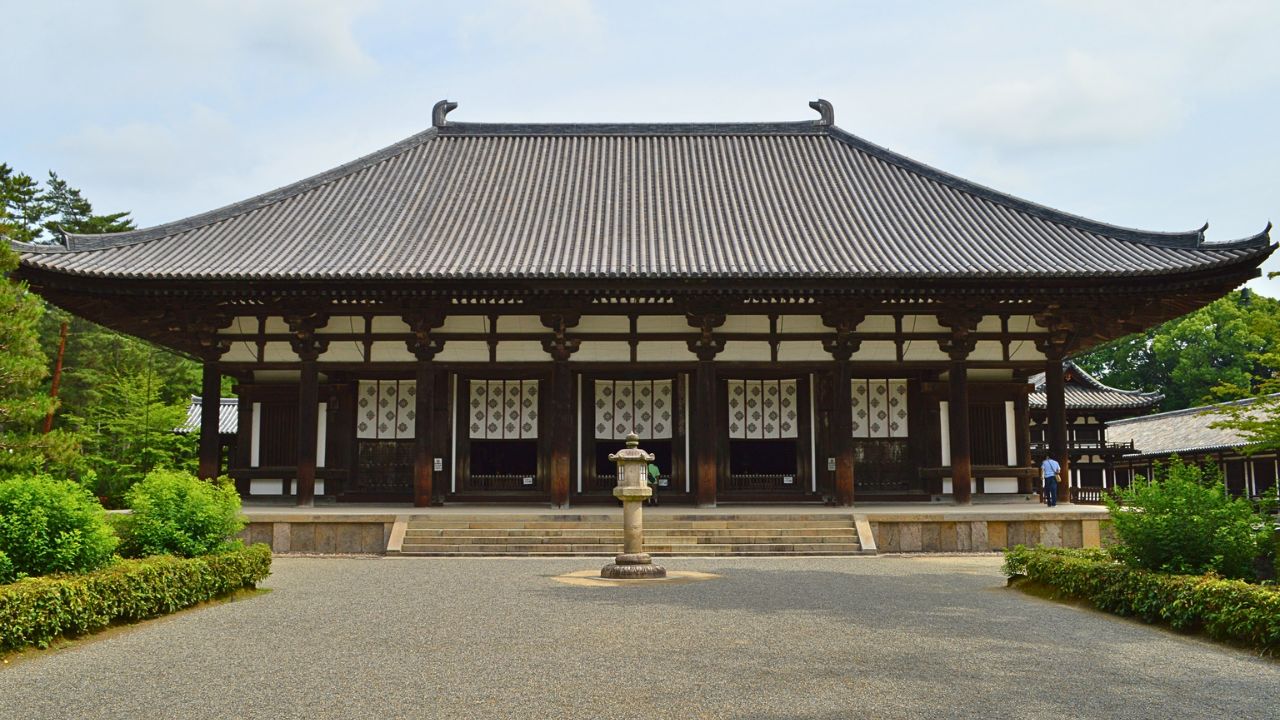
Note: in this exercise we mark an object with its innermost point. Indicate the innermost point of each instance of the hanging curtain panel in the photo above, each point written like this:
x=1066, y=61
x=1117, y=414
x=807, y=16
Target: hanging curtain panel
x=879, y=408
x=640, y=406
x=386, y=409
x=504, y=409
x=763, y=409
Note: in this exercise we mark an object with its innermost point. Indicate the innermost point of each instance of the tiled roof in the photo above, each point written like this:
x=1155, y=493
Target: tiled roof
x=228, y=417
x=775, y=200
x=1177, y=431
x=1085, y=392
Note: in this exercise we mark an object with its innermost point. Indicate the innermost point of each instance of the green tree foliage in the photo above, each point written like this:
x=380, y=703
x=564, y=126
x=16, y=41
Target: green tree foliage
x=52, y=526
x=179, y=514
x=1215, y=353
x=1183, y=521
x=119, y=398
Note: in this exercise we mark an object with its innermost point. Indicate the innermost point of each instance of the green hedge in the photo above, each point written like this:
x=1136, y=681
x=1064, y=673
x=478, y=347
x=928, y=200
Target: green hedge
x=1230, y=610
x=35, y=611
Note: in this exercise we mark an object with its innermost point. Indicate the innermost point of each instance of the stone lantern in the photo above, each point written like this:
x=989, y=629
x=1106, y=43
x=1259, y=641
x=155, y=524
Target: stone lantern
x=632, y=489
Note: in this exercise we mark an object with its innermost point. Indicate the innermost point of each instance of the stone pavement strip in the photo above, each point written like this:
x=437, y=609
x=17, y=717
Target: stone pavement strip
x=883, y=637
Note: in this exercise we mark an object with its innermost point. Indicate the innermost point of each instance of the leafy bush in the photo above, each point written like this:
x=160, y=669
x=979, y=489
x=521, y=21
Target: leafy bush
x=176, y=513
x=35, y=611
x=1224, y=609
x=49, y=526
x=1184, y=522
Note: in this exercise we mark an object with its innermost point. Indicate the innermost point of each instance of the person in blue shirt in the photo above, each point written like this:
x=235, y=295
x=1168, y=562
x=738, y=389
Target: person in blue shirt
x=1049, y=470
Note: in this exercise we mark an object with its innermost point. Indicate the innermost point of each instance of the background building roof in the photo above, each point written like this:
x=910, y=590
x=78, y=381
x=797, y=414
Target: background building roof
x=1177, y=431
x=1085, y=392
x=228, y=417
x=777, y=200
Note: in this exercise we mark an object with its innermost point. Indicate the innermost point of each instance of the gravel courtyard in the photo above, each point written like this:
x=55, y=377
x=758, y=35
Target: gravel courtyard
x=773, y=638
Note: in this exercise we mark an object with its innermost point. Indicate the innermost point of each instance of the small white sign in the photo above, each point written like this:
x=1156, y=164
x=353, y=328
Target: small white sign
x=662, y=482
x=831, y=464
x=528, y=480
x=788, y=479
x=438, y=465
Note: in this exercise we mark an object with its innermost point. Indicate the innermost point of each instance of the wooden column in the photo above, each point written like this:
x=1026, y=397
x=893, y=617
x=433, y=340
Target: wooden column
x=308, y=427
x=424, y=411
x=210, y=409
x=1055, y=398
x=563, y=414
x=958, y=418
x=308, y=347
x=422, y=321
x=963, y=321
x=706, y=435
x=244, y=441
x=1022, y=435
x=842, y=426
x=844, y=319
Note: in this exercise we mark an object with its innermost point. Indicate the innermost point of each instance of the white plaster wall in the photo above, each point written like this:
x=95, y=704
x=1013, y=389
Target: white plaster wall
x=521, y=351
x=744, y=350
x=877, y=323
x=343, y=324
x=389, y=324
x=987, y=350
x=801, y=324
x=1004, y=486
x=603, y=351
x=279, y=352
x=924, y=350
x=242, y=325
x=989, y=323
x=664, y=350
x=602, y=324
x=520, y=324
x=464, y=324
x=922, y=324
x=1025, y=351
x=1011, y=432
x=745, y=324
x=344, y=351
x=876, y=350
x=944, y=418
x=391, y=351
x=276, y=325
x=464, y=351
x=795, y=350
x=662, y=324
x=241, y=352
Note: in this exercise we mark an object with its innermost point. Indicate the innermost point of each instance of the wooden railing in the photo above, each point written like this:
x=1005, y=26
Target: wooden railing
x=1039, y=446
x=761, y=483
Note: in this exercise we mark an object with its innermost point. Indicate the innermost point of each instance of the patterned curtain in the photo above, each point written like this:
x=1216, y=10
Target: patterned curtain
x=644, y=407
x=763, y=409
x=504, y=409
x=386, y=409
x=879, y=408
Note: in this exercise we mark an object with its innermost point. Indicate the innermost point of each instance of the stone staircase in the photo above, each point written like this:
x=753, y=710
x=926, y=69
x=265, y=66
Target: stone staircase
x=600, y=534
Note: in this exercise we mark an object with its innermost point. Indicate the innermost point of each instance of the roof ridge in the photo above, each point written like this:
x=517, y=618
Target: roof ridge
x=473, y=129
x=77, y=242
x=1178, y=239
x=1095, y=382
x=1193, y=410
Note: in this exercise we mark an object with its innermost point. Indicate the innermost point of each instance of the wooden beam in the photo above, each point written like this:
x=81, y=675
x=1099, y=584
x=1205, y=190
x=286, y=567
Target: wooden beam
x=706, y=436
x=1055, y=397
x=561, y=347
x=842, y=427
x=958, y=416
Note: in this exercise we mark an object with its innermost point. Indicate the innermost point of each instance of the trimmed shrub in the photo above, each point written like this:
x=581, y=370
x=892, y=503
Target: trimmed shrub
x=176, y=513
x=51, y=526
x=1184, y=522
x=35, y=611
x=1230, y=610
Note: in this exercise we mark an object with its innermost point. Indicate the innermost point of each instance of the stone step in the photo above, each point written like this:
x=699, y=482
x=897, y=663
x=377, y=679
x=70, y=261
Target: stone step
x=589, y=532
x=650, y=538
x=616, y=516
x=650, y=524
x=660, y=550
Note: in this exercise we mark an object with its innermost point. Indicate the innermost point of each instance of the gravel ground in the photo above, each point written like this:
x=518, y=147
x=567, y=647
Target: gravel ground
x=773, y=638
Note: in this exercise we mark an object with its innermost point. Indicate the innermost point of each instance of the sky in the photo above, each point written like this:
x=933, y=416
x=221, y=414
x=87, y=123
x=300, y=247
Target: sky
x=1155, y=115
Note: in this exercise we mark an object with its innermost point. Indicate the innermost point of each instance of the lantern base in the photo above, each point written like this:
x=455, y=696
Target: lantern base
x=632, y=566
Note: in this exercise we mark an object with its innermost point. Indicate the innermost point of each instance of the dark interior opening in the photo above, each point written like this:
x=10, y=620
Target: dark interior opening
x=606, y=470
x=504, y=457
x=762, y=457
